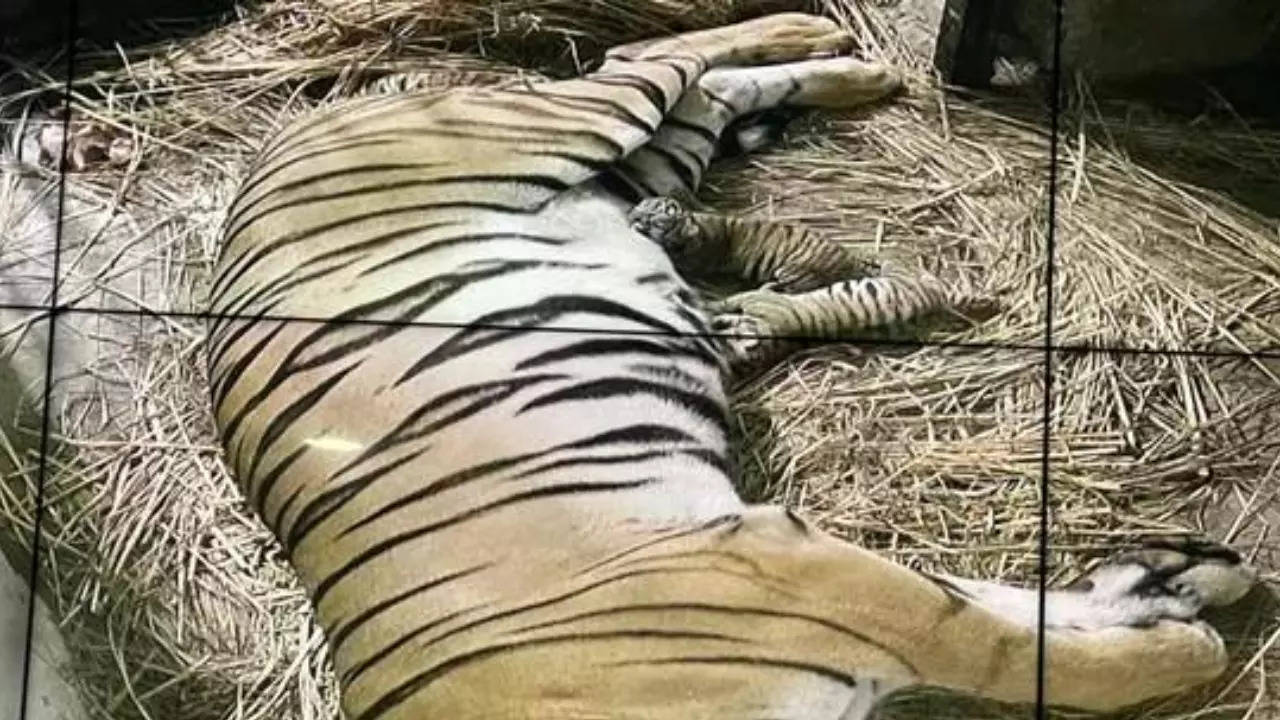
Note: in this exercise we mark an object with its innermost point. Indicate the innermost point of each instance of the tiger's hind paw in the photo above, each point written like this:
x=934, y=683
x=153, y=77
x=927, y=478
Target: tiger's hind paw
x=1214, y=575
x=1163, y=579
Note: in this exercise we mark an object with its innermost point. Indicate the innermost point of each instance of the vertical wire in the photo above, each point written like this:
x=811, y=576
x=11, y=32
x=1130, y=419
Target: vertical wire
x=1055, y=92
x=73, y=22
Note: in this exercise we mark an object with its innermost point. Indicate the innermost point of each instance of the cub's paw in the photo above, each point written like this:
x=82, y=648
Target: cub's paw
x=745, y=336
x=978, y=309
x=1163, y=579
x=765, y=306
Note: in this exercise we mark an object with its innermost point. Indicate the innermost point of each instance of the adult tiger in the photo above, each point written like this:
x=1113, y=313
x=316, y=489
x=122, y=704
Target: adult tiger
x=497, y=454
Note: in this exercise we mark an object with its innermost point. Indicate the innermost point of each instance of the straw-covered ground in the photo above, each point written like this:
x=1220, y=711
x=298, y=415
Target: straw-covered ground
x=177, y=604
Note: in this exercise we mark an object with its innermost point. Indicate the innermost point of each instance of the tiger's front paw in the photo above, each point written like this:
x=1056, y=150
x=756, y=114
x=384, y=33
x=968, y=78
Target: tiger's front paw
x=845, y=82
x=788, y=36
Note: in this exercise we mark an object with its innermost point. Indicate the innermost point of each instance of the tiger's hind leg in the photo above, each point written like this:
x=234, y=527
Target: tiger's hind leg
x=676, y=157
x=1126, y=635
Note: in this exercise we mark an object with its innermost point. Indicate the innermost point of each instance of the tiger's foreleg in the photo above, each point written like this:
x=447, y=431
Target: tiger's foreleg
x=785, y=256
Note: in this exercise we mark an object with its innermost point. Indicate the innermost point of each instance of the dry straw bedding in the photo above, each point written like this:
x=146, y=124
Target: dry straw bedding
x=176, y=601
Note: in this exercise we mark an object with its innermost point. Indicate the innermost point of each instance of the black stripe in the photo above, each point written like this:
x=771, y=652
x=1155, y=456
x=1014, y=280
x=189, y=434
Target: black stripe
x=353, y=672
x=237, y=369
x=323, y=506
x=674, y=163
x=596, y=348
x=342, y=118
x=594, y=105
x=287, y=368
x=670, y=372
x=543, y=311
x=796, y=520
x=272, y=295
x=637, y=177
x=225, y=332
x=492, y=142
x=390, y=543
x=698, y=159
x=549, y=183
x=733, y=518
x=572, y=137
x=276, y=293
x=590, y=164
x=695, y=320
x=957, y=598
x=592, y=460
x=446, y=286
x=337, y=119
x=605, y=388
x=633, y=435
x=370, y=243
x=717, y=100
x=330, y=501
x=284, y=420
x=485, y=395
x=464, y=342
x=519, y=107
x=684, y=75
x=261, y=174
x=618, y=184
x=701, y=131
x=455, y=240
x=408, y=688
x=226, y=276
x=731, y=610
x=712, y=458
x=793, y=88
x=284, y=508
x=345, y=171
x=269, y=480
x=826, y=671
x=344, y=630
x=474, y=472
x=655, y=277
x=651, y=90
